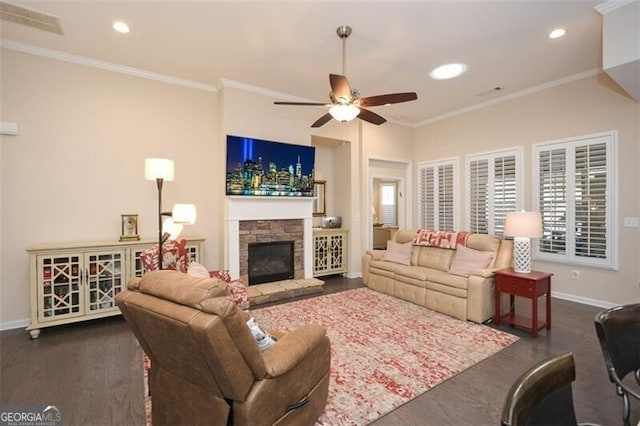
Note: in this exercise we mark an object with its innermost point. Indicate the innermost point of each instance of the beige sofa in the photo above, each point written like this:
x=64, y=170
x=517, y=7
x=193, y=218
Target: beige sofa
x=427, y=281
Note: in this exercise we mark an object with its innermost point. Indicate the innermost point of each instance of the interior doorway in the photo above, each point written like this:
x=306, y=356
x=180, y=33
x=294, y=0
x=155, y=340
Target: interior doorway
x=387, y=200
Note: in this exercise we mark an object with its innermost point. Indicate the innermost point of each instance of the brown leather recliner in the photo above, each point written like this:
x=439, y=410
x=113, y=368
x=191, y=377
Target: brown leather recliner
x=206, y=367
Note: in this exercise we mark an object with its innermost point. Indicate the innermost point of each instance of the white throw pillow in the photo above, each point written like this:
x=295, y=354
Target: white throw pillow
x=468, y=260
x=263, y=339
x=398, y=252
x=197, y=270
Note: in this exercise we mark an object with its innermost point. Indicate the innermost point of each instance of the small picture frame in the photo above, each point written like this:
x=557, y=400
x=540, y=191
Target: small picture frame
x=129, y=224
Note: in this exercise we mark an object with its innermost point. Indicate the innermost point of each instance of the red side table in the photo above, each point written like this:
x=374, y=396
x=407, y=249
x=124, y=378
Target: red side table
x=532, y=286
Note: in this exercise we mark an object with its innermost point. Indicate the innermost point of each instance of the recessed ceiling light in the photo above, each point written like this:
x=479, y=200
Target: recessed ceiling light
x=557, y=33
x=447, y=71
x=120, y=27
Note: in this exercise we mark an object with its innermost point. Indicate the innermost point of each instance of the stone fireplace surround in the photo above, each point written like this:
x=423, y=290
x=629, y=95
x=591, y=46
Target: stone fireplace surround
x=266, y=231
x=263, y=209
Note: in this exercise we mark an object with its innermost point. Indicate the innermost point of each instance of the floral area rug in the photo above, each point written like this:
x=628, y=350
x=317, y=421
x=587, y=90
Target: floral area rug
x=384, y=351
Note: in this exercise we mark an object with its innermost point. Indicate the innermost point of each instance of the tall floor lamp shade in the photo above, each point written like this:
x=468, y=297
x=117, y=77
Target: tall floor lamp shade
x=160, y=170
x=522, y=226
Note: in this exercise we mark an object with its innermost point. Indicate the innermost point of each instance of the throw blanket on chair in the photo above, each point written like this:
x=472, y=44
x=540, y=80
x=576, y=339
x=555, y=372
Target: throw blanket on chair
x=441, y=239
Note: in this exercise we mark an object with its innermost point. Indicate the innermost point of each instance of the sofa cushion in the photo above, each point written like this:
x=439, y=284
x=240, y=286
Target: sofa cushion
x=486, y=242
x=467, y=260
x=385, y=268
x=398, y=252
x=432, y=257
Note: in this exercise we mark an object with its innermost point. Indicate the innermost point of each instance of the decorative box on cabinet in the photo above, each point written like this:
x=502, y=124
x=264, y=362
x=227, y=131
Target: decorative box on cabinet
x=73, y=282
x=329, y=251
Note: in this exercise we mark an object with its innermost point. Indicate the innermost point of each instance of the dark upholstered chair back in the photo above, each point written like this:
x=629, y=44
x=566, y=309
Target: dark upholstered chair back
x=618, y=330
x=542, y=395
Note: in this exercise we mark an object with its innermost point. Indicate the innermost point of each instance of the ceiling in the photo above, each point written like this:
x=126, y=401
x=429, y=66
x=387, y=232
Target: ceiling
x=290, y=48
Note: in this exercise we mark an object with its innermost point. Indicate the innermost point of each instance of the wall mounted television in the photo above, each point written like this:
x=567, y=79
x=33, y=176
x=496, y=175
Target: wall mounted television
x=257, y=167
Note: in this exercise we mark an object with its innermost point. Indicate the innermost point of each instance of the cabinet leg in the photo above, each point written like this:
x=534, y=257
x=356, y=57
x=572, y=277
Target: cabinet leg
x=35, y=333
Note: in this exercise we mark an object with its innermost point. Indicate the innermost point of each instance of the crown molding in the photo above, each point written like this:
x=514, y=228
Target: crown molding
x=94, y=63
x=531, y=90
x=611, y=5
x=260, y=91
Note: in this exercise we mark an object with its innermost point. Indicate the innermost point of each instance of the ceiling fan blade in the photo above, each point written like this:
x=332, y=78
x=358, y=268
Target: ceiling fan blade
x=340, y=87
x=299, y=103
x=322, y=120
x=371, y=116
x=392, y=98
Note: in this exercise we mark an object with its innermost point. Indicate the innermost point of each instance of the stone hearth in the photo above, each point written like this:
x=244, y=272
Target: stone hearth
x=279, y=290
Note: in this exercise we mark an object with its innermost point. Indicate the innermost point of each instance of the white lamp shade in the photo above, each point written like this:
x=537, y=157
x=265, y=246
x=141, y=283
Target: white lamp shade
x=345, y=112
x=523, y=224
x=184, y=213
x=155, y=168
x=171, y=228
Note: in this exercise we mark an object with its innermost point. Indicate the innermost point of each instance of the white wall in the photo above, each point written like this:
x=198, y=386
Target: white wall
x=587, y=106
x=78, y=162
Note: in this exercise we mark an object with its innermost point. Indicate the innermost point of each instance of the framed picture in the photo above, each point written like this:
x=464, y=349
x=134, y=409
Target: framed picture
x=129, y=223
x=319, y=198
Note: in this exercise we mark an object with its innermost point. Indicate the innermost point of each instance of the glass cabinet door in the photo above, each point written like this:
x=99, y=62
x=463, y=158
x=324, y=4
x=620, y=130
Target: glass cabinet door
x=104, y=279
x=59, y=278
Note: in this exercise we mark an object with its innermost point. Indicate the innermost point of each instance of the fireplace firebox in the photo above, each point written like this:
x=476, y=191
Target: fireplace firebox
x=270, y=261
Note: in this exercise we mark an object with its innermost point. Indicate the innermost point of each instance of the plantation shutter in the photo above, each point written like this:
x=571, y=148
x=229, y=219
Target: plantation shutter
x=445, y=198
x=388, y=203
x=505, y=191
x=437, y=197
x=427, y=198
x=479, y=196
x=553, y=200
x=493, y=189
x=591, y=200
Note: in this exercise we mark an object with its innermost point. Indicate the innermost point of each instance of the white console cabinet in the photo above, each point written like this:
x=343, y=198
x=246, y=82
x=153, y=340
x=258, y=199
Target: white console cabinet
x=329, y=251
x=73, y=282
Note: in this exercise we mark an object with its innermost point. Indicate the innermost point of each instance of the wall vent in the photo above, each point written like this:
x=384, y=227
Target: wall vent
x=30, y=18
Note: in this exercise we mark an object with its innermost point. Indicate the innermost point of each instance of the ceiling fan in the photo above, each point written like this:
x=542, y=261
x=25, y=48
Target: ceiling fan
x=346, y=103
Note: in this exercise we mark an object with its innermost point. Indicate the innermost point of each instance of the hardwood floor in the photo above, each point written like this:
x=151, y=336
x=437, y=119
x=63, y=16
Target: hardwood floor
x=92, y=371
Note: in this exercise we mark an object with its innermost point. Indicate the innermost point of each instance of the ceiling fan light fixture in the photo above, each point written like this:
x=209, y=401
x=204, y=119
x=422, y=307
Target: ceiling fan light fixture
x=445, y=72
x=344, y=112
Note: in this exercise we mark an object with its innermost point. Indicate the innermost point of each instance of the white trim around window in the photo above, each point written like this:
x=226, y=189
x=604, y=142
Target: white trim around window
x=575, y=184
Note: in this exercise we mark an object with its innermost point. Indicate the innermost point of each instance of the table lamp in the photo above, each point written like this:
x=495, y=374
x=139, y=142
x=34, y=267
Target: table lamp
x=522, y=226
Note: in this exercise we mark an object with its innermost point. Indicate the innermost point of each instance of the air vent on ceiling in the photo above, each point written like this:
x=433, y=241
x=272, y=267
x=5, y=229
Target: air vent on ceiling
x=491, y=91
x=29, y=17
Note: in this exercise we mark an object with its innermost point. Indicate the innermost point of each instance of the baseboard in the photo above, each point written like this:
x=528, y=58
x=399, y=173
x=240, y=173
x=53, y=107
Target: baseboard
x=353, y=274
x=583, y=300
x=10, y=325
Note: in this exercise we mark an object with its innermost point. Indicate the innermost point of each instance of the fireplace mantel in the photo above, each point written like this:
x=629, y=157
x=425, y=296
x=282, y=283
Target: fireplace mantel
x=239, y=208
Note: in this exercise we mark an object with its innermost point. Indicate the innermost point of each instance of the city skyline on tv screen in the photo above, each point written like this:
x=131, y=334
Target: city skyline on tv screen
x=266, y=168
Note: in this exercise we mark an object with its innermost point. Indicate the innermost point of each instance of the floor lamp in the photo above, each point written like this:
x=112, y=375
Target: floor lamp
x=161, y=170
x=522, y=226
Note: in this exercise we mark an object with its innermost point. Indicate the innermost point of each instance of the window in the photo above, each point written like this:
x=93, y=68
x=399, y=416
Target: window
x=437, y=195
x=493, y=188
x=574, y=189
x=388, y=192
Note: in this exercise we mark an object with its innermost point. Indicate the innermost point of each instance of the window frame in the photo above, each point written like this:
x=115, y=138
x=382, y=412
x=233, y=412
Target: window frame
x=610, y=139
x=454, y=162
x=491, y=157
